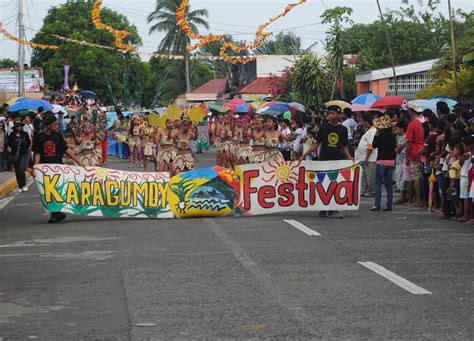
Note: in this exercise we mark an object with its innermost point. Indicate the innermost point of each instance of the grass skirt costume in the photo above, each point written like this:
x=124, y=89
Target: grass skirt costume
x=184, y=159
x=90, y=154
x=272, y=152
x=166, y=152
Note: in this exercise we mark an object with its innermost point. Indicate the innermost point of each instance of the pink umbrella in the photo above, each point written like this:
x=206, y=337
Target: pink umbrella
x=360, y=107
x=237, y=102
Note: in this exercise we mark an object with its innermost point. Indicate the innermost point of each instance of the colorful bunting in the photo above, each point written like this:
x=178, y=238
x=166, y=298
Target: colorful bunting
x=25, y=42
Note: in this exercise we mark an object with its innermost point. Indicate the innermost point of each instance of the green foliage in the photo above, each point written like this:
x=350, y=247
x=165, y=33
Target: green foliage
x=309, y=83
x=7, y=63
x=282, y=44
x=92, y=68
x=415, y=36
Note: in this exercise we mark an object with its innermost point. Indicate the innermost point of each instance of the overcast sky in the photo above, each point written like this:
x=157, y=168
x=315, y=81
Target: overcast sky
x=239, y=18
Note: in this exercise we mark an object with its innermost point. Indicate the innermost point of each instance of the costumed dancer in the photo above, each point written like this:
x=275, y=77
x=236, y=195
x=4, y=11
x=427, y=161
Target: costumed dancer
x=243, y=149
x=184, y=160
x=166, y=150
x=219, y=132
x=134, y=142
x=258, y=138
x=88, y=146
x=272, y=140
x=148, y=135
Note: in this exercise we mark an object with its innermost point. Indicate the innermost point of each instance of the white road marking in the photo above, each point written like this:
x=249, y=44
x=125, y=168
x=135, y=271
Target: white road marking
x=5, y=201
x=394, y=278
x=302, y=227
x=283, y=298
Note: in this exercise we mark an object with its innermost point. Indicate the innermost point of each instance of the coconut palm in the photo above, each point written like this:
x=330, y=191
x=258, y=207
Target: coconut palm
x=175, y=40
x=282, y=44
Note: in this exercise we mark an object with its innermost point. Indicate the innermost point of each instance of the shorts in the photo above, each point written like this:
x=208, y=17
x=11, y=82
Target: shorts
x=415, y=170
x=464, y=188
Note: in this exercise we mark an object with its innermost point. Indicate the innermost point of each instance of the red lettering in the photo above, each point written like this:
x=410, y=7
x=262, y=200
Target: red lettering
x=356, y=190
x=312, y=193
x=347, y=198
x=285, y=192
x=301, y=187
x=326, y=195
x=248, y=189
x=264, y=193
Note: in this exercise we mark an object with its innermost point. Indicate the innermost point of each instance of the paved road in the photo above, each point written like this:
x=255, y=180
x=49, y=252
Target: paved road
x=399, y=275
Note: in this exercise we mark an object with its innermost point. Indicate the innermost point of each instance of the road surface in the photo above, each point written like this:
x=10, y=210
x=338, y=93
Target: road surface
x=375, y=275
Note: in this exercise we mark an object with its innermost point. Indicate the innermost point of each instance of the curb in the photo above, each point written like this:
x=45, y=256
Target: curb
x=9, y=186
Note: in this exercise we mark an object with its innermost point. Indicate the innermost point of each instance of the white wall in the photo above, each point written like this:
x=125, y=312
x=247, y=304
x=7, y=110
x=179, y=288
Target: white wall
x=273, y=65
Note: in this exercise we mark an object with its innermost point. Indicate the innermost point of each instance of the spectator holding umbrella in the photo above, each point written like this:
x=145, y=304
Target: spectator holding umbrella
x=18, y=144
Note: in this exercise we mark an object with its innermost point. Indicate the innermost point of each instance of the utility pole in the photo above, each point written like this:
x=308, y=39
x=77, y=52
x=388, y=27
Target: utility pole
x=21, y=51
x=389, y=48
x=453, y=45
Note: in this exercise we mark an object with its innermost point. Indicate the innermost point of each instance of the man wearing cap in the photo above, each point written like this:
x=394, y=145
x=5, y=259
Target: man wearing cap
x=334, y=142
x=415, y=137
x=49, y=147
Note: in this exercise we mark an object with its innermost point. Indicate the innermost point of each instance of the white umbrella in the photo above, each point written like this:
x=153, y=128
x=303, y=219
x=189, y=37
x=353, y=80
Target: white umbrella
x=262, y=110
x=57, y=108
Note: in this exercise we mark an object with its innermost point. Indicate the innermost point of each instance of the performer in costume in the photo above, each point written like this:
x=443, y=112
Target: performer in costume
x=258, y=138
x=134, y=141
x=220, y=133
x=148, y=138
x=166, y=150
x=88, y=146
x=184, y=160
x=272, y=140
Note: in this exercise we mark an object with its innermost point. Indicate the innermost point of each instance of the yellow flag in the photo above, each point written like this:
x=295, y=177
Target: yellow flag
x=173, y=112
x=153, y=119
x=161, y=122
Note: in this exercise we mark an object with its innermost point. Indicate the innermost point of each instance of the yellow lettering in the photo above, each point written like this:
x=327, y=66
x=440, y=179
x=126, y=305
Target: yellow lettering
x=163, y=189
x=153, y=197
x=86, y=193
x=72, y=195
x=140, y=189
x=50, y=190
x=125, y=193
x=98, y=196
x=110, y=186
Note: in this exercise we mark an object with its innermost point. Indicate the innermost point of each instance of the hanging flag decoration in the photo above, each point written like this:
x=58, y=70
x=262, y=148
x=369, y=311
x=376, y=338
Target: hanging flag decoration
x=25, y=42
x=260, y=35
x=119, y=35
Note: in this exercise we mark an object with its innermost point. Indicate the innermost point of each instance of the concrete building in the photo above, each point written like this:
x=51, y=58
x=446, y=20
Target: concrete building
x=411, y=78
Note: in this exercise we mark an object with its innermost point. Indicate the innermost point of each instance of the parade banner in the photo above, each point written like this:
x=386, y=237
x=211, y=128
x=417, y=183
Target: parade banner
x=298, y=186
x=94, y=191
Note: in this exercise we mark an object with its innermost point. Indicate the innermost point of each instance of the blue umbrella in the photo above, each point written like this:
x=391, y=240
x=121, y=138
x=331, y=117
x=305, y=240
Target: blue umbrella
x=25, y=103
x=425, y=104
x=444, y=96
x=280, y=107
x=243, y=108
x=88, y=94
x=366, y=99
x=272, y=113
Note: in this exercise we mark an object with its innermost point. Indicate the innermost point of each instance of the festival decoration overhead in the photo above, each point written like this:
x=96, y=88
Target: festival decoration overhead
x=260, y=35
x=25, y=42
x=120, y=35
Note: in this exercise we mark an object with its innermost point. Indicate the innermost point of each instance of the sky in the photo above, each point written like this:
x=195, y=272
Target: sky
x=239, y=18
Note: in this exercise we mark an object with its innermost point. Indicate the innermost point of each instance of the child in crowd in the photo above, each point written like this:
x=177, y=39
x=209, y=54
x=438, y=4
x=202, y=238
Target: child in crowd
x=2, y=144
x=464, y=180
x=400, y=131
x=455, y=176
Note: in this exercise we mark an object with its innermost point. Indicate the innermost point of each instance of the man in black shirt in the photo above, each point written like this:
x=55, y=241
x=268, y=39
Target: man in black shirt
x=49, y=147
x=334, y=142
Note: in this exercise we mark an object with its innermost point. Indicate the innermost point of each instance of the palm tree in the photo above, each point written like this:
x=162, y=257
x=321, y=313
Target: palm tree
x=282, y=44
x=175, y=40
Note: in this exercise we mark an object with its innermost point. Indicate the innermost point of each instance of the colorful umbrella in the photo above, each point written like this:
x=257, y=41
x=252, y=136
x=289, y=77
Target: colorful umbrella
x=442, y=96
x=366, y=99
x=243, y=108
x=281, y=108
x=272, y=113
x=340, y=104
x=425, y=104
x=450, y=102
x=388, y=102
x=57, y=108
x=262, y=110
x=88, y=94
x=237, y=101
x=297, y=106
x=25, y=103
x=360, y=107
